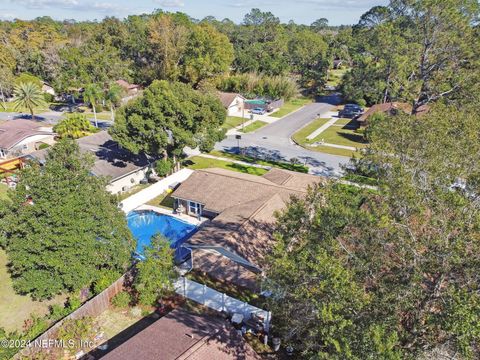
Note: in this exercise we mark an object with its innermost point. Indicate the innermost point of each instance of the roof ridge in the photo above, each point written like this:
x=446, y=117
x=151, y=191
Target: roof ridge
x=252, y=181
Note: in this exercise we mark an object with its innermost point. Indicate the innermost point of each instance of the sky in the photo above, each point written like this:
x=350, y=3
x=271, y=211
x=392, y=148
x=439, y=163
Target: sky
x=338, y=12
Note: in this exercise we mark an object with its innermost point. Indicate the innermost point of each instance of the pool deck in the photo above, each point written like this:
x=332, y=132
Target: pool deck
x=186, y=218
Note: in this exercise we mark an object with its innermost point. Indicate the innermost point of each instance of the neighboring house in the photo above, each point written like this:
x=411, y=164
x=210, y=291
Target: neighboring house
x=232, y=102
x=130, y=89
x=123, y=169
x=389, y=108
x=20, y=137
x=181, y=335
x=232, y=246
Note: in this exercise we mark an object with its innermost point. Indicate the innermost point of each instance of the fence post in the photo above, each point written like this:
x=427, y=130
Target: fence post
x=204, y=294
x=267, y=322
x=223, y=302
x=244, y=309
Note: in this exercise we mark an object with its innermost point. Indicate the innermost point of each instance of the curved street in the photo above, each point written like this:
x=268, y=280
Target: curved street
x=274, y=141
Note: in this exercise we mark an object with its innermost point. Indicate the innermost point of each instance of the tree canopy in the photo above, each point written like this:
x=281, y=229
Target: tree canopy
x=168, y=117
x=415, y=51
x=391, y=273
x=61, y=229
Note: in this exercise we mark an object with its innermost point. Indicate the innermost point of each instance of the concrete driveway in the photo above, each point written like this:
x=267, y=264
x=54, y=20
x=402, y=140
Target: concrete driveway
x=274, y=141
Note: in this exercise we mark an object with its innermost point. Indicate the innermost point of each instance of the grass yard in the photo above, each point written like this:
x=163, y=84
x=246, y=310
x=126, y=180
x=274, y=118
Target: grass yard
x=164, y=200
x=300, y=136
x=339, y=136
x=9, y=107
x=254, y=126
x=290, y=106
x=246, y=158
x=197, y=162
x=3, y=191
x=14, y=308
x=232, y=121
x=132, y=191
x=333, y=135
x=335, y=76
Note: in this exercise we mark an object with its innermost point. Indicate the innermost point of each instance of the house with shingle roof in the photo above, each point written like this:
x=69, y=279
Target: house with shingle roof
x=122, y=168
x=231, y=246
x=232, y=102
x=182, y=335
x=390, y=109
x=20, y=137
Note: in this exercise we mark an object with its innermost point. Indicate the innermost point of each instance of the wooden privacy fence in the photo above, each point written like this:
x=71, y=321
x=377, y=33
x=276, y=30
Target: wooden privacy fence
x=219, y=301
x=93, y=307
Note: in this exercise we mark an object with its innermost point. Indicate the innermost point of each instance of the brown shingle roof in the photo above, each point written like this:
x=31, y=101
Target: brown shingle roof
x=219, y=189
x=14, y=131
x=126, y=85
x=246, y=205
x=227, y=98
x=181, y=335
x=391, y=108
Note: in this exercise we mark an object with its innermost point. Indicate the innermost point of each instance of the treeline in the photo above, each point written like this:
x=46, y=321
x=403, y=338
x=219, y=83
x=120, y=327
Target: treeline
x=165, y=46
x=418, y=52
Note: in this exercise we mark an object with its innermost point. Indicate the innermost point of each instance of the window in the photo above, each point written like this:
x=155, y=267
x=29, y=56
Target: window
x=194, y=208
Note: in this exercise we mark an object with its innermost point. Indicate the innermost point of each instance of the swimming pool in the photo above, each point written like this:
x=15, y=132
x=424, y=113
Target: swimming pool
x=145, y=224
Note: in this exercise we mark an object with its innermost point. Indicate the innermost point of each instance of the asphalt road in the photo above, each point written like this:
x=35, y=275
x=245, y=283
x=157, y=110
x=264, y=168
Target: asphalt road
x=274, y=141
x=49, y=118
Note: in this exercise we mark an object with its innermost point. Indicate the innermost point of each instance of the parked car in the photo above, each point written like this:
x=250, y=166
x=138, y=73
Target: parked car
x=258, y=111
x=351, y=111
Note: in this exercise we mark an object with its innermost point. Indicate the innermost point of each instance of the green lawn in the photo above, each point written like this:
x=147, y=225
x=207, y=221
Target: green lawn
x=340, y=136
x=300, y=136
x=164, y=200
x=254, y=126
x=335, y=76
x=277, y=164
x=132, y=191
x=232, y=121
x=291, y=106
x=197, y=162
x=333, y=135
x=9, y=107
x=14, y=308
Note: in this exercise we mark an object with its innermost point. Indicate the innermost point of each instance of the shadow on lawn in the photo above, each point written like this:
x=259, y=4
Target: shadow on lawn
x=353, y=137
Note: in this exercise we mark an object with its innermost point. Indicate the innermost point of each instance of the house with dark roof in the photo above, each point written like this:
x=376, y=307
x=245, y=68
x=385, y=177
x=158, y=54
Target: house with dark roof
x=390, y=109
x=232, y=102
x=123, y=169
x=231, y=246
x=20, y=137
x=182, y=335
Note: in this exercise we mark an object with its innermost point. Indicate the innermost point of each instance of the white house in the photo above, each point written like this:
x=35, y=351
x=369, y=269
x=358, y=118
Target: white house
x=233, y=103
x=123, y=169
x=21, y=137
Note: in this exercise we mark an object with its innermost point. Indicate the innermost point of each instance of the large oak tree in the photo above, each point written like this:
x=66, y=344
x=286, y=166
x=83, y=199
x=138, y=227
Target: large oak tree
x=61, y=229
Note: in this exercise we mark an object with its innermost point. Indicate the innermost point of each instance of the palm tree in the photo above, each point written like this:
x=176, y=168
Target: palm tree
x=74, y=126
x=92, y=95
x=113, y=97
x=28, y=96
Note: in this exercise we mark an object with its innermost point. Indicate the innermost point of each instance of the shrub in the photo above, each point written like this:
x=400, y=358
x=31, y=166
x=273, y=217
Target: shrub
x=121, y=300
x=76, y=329
x=106, y=278
x=163, y=167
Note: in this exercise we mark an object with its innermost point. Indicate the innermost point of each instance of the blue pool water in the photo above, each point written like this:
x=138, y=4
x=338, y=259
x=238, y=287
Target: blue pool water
x=145, y=224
